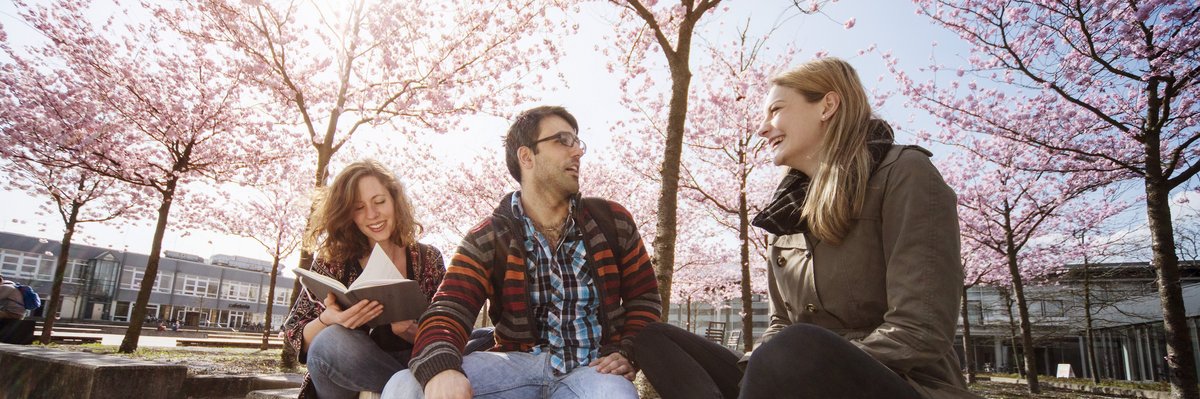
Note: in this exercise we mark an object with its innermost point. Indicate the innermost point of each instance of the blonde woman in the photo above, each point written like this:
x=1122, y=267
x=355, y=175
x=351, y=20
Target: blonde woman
x=864, y=271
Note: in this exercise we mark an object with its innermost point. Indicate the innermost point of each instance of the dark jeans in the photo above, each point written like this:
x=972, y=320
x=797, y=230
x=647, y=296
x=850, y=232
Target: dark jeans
x=802, y=361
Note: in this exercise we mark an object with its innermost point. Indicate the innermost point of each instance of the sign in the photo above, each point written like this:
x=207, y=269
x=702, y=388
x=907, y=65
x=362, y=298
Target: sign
x=1065, y=371
x=239, y=306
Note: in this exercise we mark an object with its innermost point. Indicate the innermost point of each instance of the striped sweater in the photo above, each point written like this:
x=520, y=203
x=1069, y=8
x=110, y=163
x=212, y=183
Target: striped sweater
x=490, y=265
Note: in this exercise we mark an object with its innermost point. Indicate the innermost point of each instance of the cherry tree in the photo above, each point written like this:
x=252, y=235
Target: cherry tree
x=32, y=112
x=273, y=215
x=1097, y=237
x=333, y=69
x=713, y=284
x=171, y=112
x=669, y=28
x=726, y=166
x=1013, y=212
x=459, y=197
x=1108, y=86
x=981, y=266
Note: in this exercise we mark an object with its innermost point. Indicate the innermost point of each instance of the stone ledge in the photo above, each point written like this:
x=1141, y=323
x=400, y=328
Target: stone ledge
x=237, y=386
x=39, y=372
x=290, y=393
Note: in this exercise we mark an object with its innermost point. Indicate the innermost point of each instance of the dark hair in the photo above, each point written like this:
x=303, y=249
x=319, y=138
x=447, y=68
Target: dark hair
x=333, y=219
x=524, y=132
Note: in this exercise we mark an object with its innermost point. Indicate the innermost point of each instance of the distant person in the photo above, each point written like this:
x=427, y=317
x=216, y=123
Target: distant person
x=364, y=206
x=567, y=278
x=864, y=273
x=12, y=301
x=162, y=326
x=175, y=326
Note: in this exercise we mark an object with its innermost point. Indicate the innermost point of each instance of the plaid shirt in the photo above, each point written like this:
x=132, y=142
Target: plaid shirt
x=562, y=295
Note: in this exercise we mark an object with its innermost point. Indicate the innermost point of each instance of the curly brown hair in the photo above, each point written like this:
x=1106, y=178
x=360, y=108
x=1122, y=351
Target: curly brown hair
x=332, y=224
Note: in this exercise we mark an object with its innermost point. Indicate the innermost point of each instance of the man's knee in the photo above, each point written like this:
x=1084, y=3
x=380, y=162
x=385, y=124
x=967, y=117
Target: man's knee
x=402, y=385
x=593, y=384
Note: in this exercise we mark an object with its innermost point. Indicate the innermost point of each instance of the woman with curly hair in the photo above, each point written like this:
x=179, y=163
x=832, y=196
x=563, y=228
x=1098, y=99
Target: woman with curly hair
x=363, y=207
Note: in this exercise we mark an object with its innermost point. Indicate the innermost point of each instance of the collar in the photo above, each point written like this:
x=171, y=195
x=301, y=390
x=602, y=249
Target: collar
x=516, y=210
x=783, y=214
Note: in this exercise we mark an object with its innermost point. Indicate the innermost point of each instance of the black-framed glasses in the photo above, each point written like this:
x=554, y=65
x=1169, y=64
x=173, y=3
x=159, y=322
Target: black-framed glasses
x=565, y=138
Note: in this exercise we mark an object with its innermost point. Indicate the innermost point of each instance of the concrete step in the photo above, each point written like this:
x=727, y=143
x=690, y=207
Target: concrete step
x=231, y=386
x=289, y=393
x=292, y=393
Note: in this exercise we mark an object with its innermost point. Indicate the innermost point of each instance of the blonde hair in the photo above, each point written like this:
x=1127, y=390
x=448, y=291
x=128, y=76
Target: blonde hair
x=333, y=219
x=839, y=184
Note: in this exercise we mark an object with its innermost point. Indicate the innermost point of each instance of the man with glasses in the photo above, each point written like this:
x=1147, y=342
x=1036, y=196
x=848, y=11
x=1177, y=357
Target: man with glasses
x=567, y=278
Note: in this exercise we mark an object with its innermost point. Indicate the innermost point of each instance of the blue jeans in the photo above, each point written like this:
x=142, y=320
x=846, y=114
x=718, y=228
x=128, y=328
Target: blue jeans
x=344, y=362
x=520, y=375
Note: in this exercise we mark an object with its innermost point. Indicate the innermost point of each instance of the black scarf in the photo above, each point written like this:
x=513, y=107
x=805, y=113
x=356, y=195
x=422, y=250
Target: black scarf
x=782, y=215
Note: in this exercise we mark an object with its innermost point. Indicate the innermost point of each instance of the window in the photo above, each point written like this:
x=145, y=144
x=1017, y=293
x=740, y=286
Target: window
x=131, y=279
x=1052, y=309
x=124, y=311
x=26, y=265
x=282, y=295
x=240, y=291
x=121, y=313
x=975, y=311
x=75, y=268
x=198, y=286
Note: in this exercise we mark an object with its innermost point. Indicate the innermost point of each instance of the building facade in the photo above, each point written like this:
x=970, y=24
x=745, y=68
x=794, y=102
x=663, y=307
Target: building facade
x=103, y=284
x=1126, y=322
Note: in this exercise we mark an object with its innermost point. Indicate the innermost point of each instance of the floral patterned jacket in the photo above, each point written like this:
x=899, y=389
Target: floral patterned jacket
x=425, y=265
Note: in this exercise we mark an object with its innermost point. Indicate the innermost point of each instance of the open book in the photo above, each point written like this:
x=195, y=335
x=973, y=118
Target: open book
x=402, y=299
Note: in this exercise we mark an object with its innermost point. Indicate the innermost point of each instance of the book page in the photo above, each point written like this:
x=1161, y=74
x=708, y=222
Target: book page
x=320, y=285
x=378, y=270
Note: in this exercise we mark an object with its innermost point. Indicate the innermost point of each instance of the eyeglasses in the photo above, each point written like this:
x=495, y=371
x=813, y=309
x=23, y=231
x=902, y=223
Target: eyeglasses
x=565, y=138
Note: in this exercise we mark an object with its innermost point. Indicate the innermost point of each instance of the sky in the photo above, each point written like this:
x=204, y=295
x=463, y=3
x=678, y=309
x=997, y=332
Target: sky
x=591, y=93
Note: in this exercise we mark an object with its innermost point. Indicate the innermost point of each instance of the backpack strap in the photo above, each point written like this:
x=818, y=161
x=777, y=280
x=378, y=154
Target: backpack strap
x=602, y=214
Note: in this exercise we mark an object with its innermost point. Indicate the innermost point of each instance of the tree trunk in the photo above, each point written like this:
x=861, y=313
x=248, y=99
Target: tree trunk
x=1181, y=366
x=968, y=354
x=1012, y=333
x=689, y=316
x=130, y=343
x=60, y=271
x=668, y=196
x=270, y=303
x=744, y=235
x=1031, y=374
x=1089, y=336
x=324, y=154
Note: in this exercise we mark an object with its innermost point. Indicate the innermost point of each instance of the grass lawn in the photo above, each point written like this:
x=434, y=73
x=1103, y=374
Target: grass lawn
x=199, y=360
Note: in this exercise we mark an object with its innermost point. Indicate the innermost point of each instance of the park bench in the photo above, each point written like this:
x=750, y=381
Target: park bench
x=226, y=343
x=75, y=339
x=715, y=331
x=735, y=339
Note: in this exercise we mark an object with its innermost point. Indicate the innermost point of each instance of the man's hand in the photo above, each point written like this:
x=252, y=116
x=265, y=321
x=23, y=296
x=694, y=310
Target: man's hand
x=351, y=318
x=615, y=363
x=406, y=329
x=448, y=384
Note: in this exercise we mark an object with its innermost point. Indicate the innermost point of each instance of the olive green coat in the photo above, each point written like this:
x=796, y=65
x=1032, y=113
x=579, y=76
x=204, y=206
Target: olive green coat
x=892, y=287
